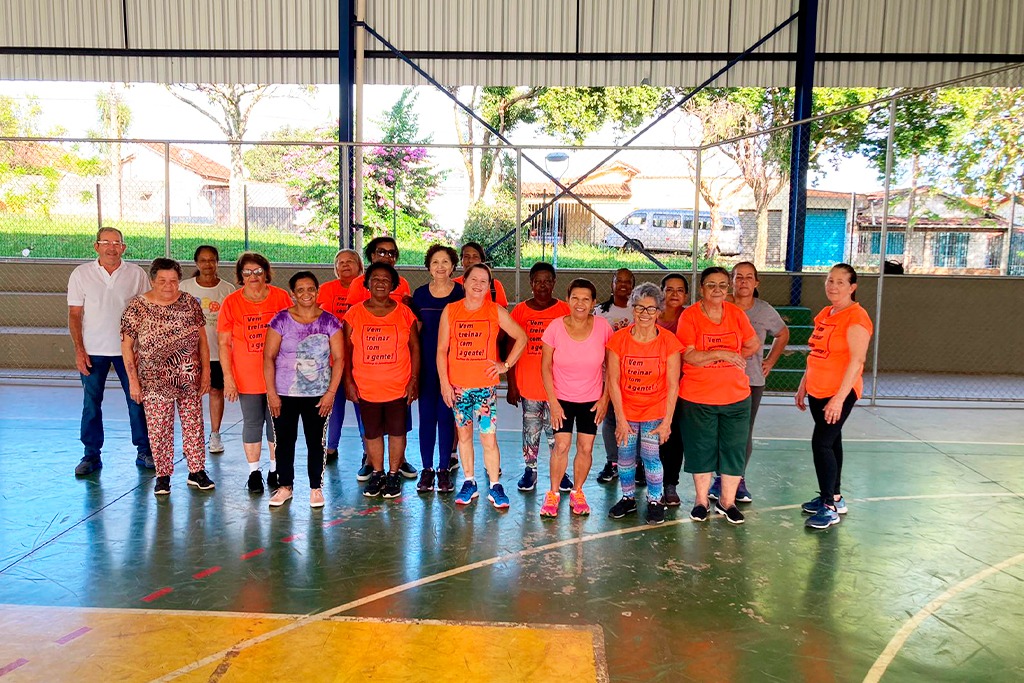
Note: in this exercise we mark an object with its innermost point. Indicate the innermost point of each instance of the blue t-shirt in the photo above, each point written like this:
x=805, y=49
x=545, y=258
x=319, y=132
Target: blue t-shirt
x=303, y=366
x=428, y=310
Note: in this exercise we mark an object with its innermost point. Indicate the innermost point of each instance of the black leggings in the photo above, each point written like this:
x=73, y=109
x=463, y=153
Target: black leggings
x=287, y=427
x=827, y=445
x=671, y=451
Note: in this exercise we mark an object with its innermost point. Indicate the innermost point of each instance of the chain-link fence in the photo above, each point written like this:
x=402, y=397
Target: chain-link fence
x=939, y=242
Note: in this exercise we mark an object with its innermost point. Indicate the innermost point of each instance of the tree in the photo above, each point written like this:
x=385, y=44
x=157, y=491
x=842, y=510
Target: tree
x=989, y=156
x=114, y=118
x=275, y=163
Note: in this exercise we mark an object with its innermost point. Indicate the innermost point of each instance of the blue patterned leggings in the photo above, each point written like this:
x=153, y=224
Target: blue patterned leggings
x=645, y=443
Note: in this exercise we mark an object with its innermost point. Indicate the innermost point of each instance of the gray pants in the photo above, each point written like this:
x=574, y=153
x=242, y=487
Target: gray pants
x=255, y=417
x=755, y=401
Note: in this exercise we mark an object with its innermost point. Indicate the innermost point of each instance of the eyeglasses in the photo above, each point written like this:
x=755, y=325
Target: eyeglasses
x=109, y=243
x=723, y=286
x=649, y=310
x=387, y=253
x=252, y=271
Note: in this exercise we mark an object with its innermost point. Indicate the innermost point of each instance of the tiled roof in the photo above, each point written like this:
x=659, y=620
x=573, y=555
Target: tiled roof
x=203, y=166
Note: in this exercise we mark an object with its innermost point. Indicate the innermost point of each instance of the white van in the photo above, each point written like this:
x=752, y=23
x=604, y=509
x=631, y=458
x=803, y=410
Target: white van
x=672, y=230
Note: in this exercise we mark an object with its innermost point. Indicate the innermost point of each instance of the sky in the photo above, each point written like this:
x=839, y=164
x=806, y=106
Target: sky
x=158, y=115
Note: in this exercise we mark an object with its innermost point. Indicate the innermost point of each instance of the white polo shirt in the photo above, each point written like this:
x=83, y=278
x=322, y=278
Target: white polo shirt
x=104, y=296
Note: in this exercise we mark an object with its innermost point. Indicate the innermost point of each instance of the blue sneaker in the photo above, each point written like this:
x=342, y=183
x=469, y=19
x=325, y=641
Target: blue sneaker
x=814, y=504
x=468, y=492
x=823, y=518
x=742, y=494
x=497, y=496
x=528, y=481
x=715, y=492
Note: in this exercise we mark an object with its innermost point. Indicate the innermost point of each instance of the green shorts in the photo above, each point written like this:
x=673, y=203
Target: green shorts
x=716, y=437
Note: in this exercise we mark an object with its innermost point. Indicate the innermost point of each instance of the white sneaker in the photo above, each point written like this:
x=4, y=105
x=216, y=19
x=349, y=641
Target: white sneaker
x=216, y=445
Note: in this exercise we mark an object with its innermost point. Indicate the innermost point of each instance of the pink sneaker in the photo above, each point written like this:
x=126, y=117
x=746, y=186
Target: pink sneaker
x=550, y=506
x=281, y=496
x=316, y=498
x=578, y=503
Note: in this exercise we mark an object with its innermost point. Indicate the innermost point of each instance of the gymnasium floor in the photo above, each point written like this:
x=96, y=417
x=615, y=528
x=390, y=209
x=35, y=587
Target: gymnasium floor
x=100, y=581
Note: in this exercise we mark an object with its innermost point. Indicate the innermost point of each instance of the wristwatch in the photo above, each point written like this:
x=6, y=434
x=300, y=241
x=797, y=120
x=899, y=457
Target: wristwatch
x=507, y=366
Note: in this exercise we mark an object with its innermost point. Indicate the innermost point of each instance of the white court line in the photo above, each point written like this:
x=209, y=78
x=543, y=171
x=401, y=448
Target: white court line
x=924, y=441
x=892, y=649
x=455, y=571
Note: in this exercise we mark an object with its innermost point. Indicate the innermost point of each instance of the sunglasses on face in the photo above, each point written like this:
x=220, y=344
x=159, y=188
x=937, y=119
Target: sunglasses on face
x=109, y=243
x=387, y=253
x=248, y=272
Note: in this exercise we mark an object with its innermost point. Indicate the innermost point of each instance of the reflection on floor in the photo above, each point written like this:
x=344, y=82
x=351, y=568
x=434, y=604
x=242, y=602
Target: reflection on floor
x=508, y=596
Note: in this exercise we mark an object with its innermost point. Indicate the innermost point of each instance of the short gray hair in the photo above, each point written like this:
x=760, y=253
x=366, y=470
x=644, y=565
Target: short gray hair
x=647, y=289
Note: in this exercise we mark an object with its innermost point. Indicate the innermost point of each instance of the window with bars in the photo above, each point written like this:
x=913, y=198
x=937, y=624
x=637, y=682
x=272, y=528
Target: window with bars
x=871, y=243
x=994, y=251
x=949, y=249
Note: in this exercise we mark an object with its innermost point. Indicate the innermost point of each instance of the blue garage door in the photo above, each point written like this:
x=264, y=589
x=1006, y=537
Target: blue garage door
x=824, y=236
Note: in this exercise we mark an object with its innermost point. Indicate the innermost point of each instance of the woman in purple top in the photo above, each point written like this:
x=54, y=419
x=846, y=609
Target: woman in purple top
x=302, y=361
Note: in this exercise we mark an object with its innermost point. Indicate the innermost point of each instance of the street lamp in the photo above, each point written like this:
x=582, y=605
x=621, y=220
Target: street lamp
x=556, y=164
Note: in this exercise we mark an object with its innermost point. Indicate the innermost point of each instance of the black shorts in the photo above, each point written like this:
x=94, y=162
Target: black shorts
x=383, y=418
x=216, y=375
x=580, y=414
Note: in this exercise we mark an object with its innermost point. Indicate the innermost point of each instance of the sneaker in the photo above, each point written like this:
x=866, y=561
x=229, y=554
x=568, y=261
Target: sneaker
x=625, y=506
x=528, y=481
x=732, y=515
x=715, y=492
x=468, y=492
x=330, y=455
x=393, y=485
x=426, y=482
x=273, y=481
x=841, y=506
x=742, y=494
x=496, y=494
x=364, y=473
x=444, y=482
x=200, y=480
x=671, y=497
x=216, y=445
x=374, y=484
x=699, y=513
x=87, y=466
x=550, y=506
x=609, y=473
x=566, y=484
x=407, y=470
x=255, y=483
x=145, y=461
x=655, y=512
x=641, y=475
x=823, y=518
x=578, y=503
x=316, y=498
x=454, y=463
x=281, y=496
x=812, y=506
x=163, y=486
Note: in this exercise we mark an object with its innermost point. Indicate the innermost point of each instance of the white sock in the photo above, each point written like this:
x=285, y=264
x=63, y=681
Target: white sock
x=472, y=479
x=493, y=483
x=253, y=466
x=273, y=466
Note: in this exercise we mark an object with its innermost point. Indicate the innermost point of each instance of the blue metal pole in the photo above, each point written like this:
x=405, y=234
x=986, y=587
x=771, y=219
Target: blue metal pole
x=346, y=119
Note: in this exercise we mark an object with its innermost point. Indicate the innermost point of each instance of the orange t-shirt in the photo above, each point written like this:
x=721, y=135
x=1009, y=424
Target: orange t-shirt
x=830, y=350
x=718, y=383
x=472, y=344
x=358, y=293
x=381, y=364
x=642, y=372
x=527, y=369
x=499, y=291
x=333, y=298
x=247, y=322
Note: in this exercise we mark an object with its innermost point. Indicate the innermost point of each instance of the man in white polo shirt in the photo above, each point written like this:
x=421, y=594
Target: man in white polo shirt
x=98, y=292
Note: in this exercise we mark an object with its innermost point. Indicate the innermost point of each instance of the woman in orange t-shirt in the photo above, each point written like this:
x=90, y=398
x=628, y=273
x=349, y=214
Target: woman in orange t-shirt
x=241, y=334
x=717, y=340
x=831, y=385
x=333, y=298
x=642, y=380
x=472, y=253
x=468, y=368
x=524, y=381
x=382, y=374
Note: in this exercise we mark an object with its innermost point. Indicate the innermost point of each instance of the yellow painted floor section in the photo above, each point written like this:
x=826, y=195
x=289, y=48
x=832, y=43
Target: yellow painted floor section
x=143, y=645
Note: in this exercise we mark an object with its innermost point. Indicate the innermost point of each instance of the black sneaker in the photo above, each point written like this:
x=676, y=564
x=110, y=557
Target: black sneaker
x=655, y=512
x=732, y=515
x=609, y=473
x=444, y=482
x=375, y=485
x=87, y=466
x=566, y=484
x=671, y=497
x=255, y=483
x=163, y=486
x=330, y=455
x=699, y=513
x=364, y=472
x=426, y=482
x=641, y=475
x=273, y=483
x=625, y=506
x=454, y=463
x=200, y=480
x=407, y=470
x=392, y=485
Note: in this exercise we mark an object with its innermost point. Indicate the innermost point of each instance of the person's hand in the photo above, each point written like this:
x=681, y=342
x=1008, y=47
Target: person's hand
x=833, y=410
x=448, y=394
x=512, y=395
x=496, y=369
x=135, y=390
x=274, y=403
x=326, y=403
x=732, y=358
x=800, y=398
x=663, y=431
x=230, y=390
x=557, y=415
x=204, y=384
x=82, y=361
x=351, y=392
x=600, y=410
x=622, y=432
x=766, y=366
x=412, y=390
